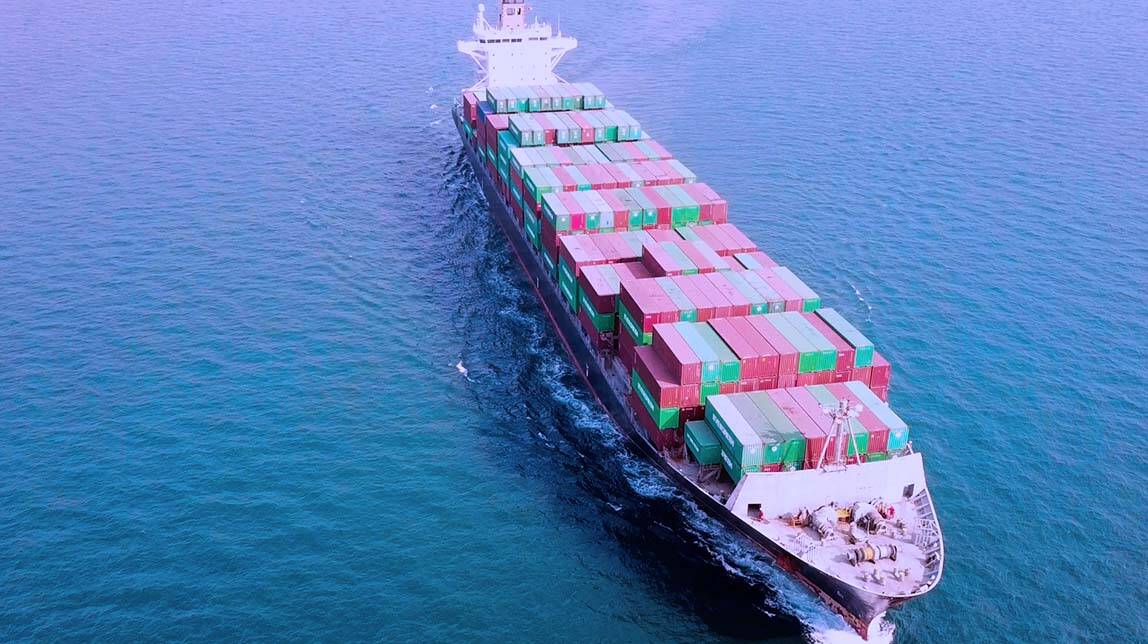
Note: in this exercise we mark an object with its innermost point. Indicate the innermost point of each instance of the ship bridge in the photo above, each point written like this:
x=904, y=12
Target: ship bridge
x=513, y=51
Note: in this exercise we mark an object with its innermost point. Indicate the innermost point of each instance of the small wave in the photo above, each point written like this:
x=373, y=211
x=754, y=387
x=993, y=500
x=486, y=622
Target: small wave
x=828, y=633
x=462, y=369
x=861, y=299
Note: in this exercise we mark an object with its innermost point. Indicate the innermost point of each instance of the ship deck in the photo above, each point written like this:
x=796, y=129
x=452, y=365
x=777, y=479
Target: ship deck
x=911, y=529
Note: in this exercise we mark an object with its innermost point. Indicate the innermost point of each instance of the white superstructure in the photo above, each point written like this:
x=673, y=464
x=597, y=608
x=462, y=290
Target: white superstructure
x=514, y=52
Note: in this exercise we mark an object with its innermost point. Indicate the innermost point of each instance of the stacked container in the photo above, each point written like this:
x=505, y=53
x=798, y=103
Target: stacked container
x=728, y=353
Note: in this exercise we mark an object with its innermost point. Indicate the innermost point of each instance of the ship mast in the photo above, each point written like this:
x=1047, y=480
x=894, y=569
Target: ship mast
x=515, y=52
x=842, y=417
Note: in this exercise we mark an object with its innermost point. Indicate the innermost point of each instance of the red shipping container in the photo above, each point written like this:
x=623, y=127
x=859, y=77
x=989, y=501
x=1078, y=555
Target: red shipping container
x=676, y=354
x=882, y=393
x=814, y=436
x=722, y=307
x=660, y=438
x=713, y=207
x=702, y=304
x=716, y=239
x=700, y=261
x=759, y=258
x=728, y=388
x=788, y=354
x=768, y=357
x=816, y=411
x=657, y=149
x=882, y=373
x=657, y=378
x=662, y=234
x=691, y=413
x=470, y=105
x=663, y=207
x=629, y=271
x=793, y=299
x=587, y=127
x=648, y=178
x=647, y=303
x=626, y=346
x=739, y=305
x=878, y=431
x=739, y=242
x=621, y=212
x=577, y=213
x=621, y=179
x=632, y=152
x=863, y=374
x=742, y=348
x=569, y=183
x=579, y=251
x=846, y=354
x=675, y=176
x=599, y=286
x=607, y=178
x=658, y=261
x=708, y=236
x=622, y=250
x=598, y=339
x=593, y=176
x=805, y=379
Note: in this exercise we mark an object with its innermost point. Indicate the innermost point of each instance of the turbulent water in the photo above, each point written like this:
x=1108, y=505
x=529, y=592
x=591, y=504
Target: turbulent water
x=267, y=369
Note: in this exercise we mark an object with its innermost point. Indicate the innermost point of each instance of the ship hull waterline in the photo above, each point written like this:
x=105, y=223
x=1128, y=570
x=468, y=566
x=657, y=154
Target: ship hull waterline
x=858, y=607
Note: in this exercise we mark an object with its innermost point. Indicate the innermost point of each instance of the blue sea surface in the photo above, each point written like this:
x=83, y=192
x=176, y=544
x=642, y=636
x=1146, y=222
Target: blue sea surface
x=268, y=370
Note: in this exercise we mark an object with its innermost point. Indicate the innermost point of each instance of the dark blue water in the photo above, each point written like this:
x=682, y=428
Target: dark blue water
x=241, y=259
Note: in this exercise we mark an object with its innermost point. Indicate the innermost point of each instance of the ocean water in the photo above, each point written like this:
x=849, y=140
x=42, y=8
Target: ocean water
x=267, y=370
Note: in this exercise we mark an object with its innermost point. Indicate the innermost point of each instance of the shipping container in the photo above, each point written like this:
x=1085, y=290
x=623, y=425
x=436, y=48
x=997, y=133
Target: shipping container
x=738, y=439
x=703, y=444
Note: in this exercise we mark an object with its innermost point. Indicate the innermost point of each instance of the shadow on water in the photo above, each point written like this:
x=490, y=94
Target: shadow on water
x=539, y=408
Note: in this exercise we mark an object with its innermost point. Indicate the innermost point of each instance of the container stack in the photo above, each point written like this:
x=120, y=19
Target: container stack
x=786, y=429
x=727, y=352
x=687, y=363
x=706, y=296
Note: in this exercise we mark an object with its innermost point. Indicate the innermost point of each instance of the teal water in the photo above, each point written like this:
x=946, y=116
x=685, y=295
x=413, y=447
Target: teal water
x=243, y=261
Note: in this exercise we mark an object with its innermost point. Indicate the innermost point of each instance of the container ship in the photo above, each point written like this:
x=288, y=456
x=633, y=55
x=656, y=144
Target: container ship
x=720, y=365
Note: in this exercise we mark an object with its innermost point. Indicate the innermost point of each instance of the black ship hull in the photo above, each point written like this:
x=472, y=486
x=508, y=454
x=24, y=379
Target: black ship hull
x=859, y=608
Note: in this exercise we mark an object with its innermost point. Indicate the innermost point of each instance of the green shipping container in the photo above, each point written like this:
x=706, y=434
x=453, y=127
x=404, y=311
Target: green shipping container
x=632, y=327
x=549, y=266
x=603, y=322
x=826, y=351
x=711, y=364
x=736, y=436
x=856, y=339
x=733, y=468
x=702, y=443
x=811, y=300
x=757, y=302
x=808, y=359
x=567, y=284
x=664, y=418
x=709, y=389
x=793, y=453
x=730, y=364
x=671, y=249
x=686, y=312
x=898, y=430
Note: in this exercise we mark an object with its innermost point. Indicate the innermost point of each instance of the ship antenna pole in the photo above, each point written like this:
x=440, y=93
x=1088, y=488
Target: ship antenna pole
x=842, y=418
